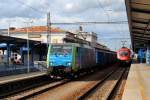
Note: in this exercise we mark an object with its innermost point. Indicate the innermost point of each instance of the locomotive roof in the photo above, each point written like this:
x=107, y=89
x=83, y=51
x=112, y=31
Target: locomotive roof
x=85, y=46
x=124, y=48
x=107, y=51
x=73, y=44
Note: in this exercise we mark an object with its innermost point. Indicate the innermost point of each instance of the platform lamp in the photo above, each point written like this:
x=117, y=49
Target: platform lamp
x=28, y=46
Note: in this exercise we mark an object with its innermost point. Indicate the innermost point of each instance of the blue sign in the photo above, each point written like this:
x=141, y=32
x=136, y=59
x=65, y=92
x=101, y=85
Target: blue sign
x=148, y=56
x=25, y=48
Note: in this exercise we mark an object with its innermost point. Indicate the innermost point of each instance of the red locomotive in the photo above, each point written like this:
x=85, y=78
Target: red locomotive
x=124, y=56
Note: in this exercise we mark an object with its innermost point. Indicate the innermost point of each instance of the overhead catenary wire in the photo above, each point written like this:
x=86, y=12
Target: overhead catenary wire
x=72, y=23
x=37, y=10
x=120, y=31
x=92, y=22
x=115, y=38
x=79, y=22
x=101, y=6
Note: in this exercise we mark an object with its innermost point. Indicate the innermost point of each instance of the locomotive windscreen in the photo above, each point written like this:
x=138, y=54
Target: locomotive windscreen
x=61, y=49
x=123, y=53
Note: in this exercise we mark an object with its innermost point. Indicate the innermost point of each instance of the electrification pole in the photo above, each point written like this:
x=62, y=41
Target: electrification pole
x=8, y=28
x=48, y=28
x=28, y=46
x=9, y=23
x=48, y=31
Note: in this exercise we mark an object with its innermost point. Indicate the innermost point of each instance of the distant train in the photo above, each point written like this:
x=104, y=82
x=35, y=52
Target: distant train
x=124, y=56
x=74, y=58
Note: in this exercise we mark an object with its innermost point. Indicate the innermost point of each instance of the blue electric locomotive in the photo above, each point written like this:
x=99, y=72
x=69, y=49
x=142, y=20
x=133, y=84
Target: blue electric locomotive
x=69, y=58
x=74, y=58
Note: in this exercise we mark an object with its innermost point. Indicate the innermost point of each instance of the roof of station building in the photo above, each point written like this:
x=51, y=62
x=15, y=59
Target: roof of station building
x=37, y=29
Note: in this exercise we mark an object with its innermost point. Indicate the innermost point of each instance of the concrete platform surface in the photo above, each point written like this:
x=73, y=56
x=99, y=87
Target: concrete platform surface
x=138, y=83
x=12, y=78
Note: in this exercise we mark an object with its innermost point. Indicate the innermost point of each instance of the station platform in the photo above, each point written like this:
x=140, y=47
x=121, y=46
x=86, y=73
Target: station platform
x=137, y=86
x=17, y=69
x=13, y=78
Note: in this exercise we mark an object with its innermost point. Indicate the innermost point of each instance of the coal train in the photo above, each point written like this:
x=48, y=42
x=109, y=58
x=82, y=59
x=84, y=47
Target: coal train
x=124, y=56
x=74, y=58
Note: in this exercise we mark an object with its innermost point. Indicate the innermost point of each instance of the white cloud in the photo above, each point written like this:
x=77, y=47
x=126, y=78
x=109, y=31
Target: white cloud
x=69, y=6
x=66, y=11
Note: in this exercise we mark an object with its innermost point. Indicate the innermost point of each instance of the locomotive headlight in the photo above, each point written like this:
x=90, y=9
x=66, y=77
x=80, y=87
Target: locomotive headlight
x=69, y=63
x=51, y=63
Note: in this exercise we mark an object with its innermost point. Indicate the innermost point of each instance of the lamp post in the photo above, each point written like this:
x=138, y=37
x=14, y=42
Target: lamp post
x=28, y=45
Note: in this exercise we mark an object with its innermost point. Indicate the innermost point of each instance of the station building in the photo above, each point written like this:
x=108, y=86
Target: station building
x=38, y=33
x=38, y=52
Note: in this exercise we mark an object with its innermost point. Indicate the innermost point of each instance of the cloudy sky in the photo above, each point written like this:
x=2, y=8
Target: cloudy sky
x=17, y=12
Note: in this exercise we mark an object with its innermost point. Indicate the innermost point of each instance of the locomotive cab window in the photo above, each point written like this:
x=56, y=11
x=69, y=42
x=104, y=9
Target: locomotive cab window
x=67, y=50
x=123, y=53
x=61, y=50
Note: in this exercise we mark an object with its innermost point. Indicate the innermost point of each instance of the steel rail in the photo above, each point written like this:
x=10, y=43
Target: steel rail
x=82, y=97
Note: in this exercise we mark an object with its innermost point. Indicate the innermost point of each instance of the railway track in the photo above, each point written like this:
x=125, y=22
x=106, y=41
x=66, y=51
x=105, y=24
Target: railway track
x=34, y=91
x=105, y=88
x=73, y=89
x=16, y=86
x=85, y=87
x=118, y=92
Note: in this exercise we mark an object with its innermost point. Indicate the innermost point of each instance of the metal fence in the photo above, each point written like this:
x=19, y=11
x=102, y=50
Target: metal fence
x=40, y=65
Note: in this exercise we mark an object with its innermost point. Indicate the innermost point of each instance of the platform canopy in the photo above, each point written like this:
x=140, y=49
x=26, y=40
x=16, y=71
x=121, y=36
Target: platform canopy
x=14, y=40
x=138, y=12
